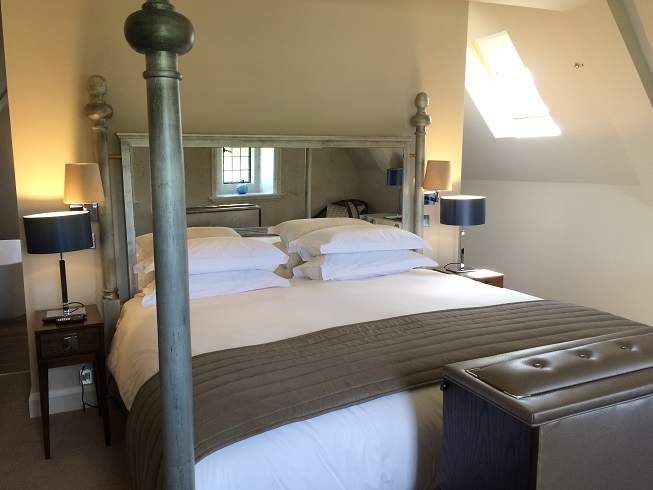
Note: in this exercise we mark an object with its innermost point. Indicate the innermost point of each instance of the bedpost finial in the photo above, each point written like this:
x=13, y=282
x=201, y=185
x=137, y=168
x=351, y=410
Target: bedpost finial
x=421, y=101
x=158, y=27
x=97, y=110
x=97, y=87
x=421, y=118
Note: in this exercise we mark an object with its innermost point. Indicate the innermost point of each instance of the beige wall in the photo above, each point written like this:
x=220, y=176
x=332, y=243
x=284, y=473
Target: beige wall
x=285, y=67
x=577, y=233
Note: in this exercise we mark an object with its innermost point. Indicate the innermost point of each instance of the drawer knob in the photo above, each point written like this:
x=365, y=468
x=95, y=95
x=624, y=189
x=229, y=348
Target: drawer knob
x=70, y=342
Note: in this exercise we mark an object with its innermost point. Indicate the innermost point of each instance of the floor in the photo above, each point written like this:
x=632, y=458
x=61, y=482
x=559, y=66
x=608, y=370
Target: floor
x=80, y=458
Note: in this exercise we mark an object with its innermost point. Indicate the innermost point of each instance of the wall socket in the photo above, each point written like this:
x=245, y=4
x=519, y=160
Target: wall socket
x=427, y=220
x=85, y=376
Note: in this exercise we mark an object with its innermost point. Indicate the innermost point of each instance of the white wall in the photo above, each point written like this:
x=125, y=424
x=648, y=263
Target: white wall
x=582, y=232
x=581, y=243
x=258, y=67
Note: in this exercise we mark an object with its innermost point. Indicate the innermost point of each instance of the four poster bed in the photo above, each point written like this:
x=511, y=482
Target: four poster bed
x=316, y=359
x=329, y=379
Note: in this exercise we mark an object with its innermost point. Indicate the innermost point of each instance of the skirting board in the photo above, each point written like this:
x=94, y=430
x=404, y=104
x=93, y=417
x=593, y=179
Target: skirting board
x=63, y=400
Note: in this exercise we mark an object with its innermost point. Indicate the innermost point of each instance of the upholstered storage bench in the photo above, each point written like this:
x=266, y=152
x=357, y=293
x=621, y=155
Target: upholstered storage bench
x=577, y=415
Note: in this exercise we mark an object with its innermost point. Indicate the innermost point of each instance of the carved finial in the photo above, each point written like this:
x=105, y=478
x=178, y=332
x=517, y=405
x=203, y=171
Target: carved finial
x=157, y=27
x=98, y=110
x=421, y=118
x=422, y=101
x=97, y=87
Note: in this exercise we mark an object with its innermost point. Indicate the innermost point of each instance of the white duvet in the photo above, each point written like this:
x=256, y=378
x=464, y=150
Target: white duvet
x=391, y=443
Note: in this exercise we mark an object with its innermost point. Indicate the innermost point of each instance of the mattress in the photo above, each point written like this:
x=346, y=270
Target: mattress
x=390, y=442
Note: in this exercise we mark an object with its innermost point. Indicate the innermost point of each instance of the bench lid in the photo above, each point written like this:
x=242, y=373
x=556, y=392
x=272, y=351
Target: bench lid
x=547, y=383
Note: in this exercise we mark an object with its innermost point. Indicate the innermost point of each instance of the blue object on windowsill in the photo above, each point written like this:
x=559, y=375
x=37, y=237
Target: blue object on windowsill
x=241, y=188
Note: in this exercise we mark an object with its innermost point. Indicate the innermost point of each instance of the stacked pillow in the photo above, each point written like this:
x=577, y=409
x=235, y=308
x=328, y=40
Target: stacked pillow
x=219, y=265
x=291, y=230
x=145, y=246
x=351, y=250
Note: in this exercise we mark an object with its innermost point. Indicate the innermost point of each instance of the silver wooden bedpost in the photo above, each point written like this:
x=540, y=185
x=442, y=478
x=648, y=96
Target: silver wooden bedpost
x=98, y=111
x=420, y=120
x=162, y=34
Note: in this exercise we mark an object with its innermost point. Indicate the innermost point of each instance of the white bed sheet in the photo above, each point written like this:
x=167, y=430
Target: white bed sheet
x=390, y=443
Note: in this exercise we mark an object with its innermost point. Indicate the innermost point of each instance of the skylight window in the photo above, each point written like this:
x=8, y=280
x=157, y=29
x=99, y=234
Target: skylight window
x=504, y=91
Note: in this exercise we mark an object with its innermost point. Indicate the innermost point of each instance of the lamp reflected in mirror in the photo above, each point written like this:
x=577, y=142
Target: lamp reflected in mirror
x=395, y=178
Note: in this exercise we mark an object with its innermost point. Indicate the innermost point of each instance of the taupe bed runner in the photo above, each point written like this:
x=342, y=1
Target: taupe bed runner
x=249, y=390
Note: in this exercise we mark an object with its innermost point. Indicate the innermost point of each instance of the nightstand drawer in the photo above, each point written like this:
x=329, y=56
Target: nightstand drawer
x=56, y=344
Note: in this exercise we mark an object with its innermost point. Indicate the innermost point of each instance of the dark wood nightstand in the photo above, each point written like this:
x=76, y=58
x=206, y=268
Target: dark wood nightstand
x=481, y=275
x=67, y=345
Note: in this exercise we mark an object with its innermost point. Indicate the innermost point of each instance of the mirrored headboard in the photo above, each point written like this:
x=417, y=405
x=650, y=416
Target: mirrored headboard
x=309, y=173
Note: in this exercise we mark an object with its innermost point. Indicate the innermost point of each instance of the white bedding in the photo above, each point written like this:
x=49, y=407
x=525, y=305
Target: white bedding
x=391, y=442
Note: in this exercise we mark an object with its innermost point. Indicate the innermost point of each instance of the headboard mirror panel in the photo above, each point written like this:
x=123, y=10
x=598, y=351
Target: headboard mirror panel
x=309, y=172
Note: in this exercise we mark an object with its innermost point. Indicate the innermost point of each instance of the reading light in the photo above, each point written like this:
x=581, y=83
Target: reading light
x=58, y=232
x=461, y=211
x=395, y=177
x=83, y=187
x=436, y=179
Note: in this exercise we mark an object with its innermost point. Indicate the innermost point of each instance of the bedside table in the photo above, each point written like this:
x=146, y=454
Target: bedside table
x=481, y=275
x=389, y=219
x=67, y=345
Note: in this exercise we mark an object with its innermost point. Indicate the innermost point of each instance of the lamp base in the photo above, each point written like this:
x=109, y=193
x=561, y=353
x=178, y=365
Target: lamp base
x=459, y=268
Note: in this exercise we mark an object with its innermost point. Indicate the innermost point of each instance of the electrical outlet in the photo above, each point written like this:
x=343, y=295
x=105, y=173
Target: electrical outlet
x=427, y=220
x=86, y=376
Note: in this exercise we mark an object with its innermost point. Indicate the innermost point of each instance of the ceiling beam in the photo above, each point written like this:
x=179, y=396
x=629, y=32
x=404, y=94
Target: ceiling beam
x=629, y=23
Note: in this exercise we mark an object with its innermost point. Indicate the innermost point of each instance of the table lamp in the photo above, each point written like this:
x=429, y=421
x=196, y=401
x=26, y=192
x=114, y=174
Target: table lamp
x=83, y=187
x=461, y=211
x=58, y=232
x=436, y=179
x=395, y=177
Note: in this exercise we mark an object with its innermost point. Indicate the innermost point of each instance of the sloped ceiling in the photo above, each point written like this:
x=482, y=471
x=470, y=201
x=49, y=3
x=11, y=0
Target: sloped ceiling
x=587, y=79
x=540, y=4
x=585, y=153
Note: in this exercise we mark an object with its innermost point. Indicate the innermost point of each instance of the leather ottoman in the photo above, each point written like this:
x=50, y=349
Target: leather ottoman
x=577, y=415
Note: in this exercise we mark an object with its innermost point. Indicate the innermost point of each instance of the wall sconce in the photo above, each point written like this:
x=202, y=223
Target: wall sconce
x=436, y=179
x=395, y=177
x=83, y=188
x=462, y=211
x=58, y=232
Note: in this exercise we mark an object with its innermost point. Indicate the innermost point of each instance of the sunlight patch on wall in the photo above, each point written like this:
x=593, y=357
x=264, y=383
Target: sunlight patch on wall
x=504, y=91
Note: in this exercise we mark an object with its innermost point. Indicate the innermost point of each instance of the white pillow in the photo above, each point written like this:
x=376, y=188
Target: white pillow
x=216, y=254
x=346, y=239
x=345, y=266
x=221, y=283
x=293, y=229
x=145, y=246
